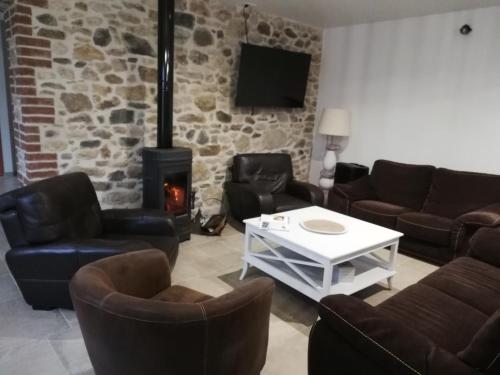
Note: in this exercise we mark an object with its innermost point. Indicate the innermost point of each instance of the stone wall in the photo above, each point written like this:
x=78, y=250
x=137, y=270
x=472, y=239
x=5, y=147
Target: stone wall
x=84, y=88
x=208, y=37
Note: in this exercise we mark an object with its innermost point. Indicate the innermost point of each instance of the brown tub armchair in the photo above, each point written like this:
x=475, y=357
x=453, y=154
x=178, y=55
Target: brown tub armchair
x=135, y=322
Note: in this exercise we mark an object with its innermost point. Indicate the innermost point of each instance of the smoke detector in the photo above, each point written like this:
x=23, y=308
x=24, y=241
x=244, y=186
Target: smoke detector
x=465, y=30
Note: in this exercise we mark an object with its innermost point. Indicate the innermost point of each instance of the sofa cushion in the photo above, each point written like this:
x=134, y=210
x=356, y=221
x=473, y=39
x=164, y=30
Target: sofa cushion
x=269, y=172
x=483, y=352
x=426, y=251
x=454, y=193
x=286, y=202
x=469, y=280
x=376, y=212
x=169, y=245
x=271, y=182
x=60, y=260
x=61, y=207
x=425, y=227
x=401, y=184
x=448, y=322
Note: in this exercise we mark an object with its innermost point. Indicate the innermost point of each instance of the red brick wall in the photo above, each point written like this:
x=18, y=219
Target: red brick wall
x=31, y=111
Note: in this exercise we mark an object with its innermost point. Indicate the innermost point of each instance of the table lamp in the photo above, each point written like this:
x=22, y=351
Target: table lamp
x=334, y=123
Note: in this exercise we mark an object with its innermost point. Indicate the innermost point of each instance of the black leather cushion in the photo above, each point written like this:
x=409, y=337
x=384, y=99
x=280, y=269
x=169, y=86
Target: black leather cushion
x=401, y=184
x=271, y=182
x=149, y=222
x=52, y=262
x=89, y=251
x=61, y=207
x=376, y=212
x=425, y=227
x=60, y=260
x=285, y=202
x=169, y=245
x=269, y=172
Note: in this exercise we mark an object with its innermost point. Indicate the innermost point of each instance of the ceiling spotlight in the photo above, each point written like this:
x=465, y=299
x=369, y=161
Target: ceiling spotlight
x=465, y=30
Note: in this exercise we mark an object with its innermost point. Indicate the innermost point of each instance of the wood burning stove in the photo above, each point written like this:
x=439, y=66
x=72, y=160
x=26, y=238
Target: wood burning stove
x=167, y=184
x=166, y=169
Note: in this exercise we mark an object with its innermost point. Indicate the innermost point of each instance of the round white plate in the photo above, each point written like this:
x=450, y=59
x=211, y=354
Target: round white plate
x=323, y=226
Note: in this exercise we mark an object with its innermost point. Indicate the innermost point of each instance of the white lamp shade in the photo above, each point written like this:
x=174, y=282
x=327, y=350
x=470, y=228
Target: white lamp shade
x=335, y=122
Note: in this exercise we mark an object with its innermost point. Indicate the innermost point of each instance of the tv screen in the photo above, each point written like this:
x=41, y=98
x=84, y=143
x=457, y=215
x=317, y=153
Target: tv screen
x=271, y=77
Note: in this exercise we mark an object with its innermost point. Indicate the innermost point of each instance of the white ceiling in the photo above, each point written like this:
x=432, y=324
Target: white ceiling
x=334, y=13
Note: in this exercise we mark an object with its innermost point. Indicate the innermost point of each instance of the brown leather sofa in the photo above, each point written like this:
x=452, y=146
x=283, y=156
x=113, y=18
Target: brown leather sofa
x=56, y=226
x=264, y=184
x=135, y=322
x=437, y=209
x=448, y=323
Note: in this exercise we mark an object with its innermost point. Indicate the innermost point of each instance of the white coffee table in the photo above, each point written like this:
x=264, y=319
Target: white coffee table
x=305, y=260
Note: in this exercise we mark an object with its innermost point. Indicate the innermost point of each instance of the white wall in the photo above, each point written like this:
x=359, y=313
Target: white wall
x=419, y=91
x=4, y=117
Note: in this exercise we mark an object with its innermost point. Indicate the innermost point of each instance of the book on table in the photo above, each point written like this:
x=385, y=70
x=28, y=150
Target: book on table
x=344, y=273
x=275, y=222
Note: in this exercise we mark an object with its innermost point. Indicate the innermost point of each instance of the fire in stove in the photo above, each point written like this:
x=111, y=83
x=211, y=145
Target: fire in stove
x=175, y=198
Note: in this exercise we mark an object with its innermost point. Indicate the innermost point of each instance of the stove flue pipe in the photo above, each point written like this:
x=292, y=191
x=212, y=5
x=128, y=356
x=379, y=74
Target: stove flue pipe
x=165, y=101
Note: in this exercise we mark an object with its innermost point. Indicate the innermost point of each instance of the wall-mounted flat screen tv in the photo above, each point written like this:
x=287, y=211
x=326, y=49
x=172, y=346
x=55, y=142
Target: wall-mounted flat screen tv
x=271, y=77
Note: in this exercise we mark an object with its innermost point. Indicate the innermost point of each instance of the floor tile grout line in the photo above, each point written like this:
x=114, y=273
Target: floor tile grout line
x=58, y=357
x=64, y=318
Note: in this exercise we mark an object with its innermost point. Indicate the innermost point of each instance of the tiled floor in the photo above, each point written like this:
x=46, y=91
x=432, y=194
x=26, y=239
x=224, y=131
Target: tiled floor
x=50, y=343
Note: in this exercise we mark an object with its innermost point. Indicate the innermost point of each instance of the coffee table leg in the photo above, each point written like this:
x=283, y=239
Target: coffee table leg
x=244, y=271
x=392, y=262
x=247, y=248
x=327, y=279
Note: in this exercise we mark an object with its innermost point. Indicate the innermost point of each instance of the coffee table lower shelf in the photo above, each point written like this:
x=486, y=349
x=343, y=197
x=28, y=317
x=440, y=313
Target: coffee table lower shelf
x=310, y=280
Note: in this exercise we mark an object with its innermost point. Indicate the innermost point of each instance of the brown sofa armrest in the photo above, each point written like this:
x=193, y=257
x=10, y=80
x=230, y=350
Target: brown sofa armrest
x=307, y=192
x=342, y=195
x=488, y=216
x=386, y=342
x=359, y=189
x=242, y=317
x=467, y=224
x=485, y=246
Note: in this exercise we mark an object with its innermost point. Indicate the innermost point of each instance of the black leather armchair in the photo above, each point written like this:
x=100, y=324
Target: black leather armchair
x=264, y=184
x=56, y=226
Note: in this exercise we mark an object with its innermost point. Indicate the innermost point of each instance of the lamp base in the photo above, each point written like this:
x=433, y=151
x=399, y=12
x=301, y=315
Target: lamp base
x=326, y=180
x=326, y=183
